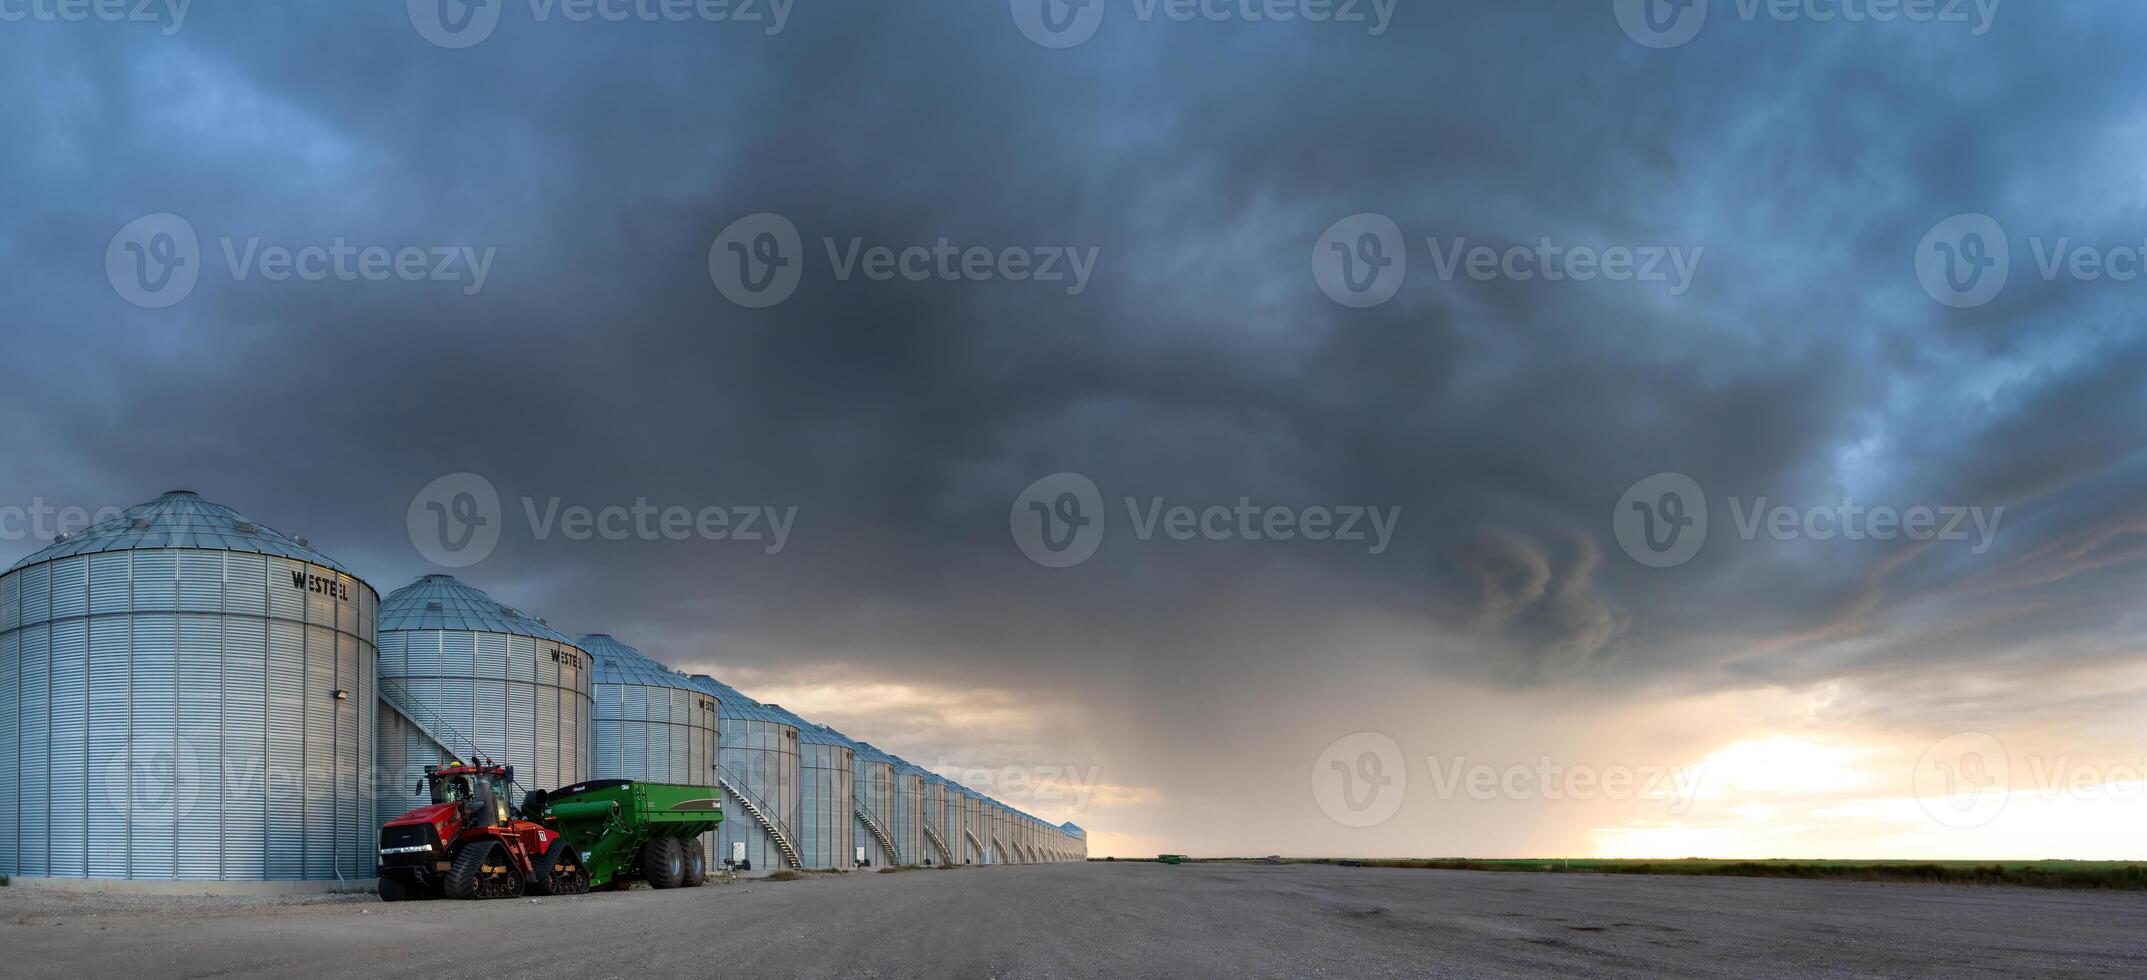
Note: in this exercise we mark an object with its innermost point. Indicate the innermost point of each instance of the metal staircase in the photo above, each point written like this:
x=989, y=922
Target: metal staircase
x=946, y=856
x=982, y=853
x=874, y=826
x=782, y=840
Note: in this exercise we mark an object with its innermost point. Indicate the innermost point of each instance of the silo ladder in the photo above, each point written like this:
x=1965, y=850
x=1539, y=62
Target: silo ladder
x=874, y=826
x=946, y=856
x=782, y=842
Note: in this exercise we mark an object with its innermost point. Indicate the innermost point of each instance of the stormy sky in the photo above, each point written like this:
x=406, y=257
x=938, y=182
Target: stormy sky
x=1783, y=339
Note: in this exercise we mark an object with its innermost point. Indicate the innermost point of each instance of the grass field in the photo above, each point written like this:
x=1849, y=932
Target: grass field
x=2106, y=875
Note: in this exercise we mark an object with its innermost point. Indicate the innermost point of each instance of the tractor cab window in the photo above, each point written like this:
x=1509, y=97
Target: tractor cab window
x=453, y=789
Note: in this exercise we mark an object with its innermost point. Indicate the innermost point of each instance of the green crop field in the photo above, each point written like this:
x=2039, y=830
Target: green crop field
x=2111, y=875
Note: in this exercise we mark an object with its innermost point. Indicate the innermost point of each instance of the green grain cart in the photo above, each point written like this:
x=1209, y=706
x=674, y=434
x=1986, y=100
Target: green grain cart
x=626, y=829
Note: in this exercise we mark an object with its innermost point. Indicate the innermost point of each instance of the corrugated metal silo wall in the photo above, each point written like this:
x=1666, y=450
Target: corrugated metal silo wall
x=174, y=714
x=519, y=700
x=824, y=817
x=974, y=832
x=932, y=819
x=658, y=734
x=908, y=829
x=761, y=757
x=874, y=790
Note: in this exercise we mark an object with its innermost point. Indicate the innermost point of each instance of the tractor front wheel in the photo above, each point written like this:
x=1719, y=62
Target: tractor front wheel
x=696, y=862
x=560, y=872
x=663, y=863
x=483, y=870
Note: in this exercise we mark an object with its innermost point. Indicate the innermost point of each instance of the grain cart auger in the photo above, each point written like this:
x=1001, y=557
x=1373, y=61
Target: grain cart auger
x=624, y=829
x=466, y=843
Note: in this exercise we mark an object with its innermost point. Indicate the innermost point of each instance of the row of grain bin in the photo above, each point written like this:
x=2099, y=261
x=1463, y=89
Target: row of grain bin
x=187, y=695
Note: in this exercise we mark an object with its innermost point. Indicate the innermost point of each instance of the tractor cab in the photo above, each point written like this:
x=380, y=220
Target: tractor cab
x=478, y=791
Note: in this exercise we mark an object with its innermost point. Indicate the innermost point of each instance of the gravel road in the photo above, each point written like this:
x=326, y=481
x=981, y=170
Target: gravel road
x=1111, y=920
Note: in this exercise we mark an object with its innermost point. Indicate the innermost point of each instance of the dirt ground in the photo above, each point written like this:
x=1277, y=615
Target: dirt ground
x=1110, y=920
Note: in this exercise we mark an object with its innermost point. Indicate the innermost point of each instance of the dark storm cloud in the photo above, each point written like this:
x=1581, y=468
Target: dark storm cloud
x=600, y=365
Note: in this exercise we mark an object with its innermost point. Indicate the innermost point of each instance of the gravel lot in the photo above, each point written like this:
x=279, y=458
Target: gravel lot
x=1111, y=920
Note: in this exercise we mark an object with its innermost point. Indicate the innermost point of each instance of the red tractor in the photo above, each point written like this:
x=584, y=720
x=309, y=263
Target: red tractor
x=466, y=843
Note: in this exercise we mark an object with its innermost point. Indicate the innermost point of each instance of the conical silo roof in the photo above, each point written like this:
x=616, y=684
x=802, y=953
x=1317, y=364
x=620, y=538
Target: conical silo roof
x=617, y=663
x=810, y=732
x=441, y=602
x=737, y=706
x=180, y=519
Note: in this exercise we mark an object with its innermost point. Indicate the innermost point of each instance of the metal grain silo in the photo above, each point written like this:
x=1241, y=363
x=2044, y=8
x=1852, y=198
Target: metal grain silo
x=824, y=801
x=875, y=797
x=909, y=818
x=976, y=834
x=462, y=675
x=1076, y=841
x=1002, y=833
x=185, y=694
x=758, y=767
x=652, y=723
x=942, y=818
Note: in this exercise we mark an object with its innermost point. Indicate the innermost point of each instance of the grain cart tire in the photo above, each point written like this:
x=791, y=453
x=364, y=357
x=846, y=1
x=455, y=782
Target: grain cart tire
x=560, y=872
x=696, y=862
x=483, y=870
x=663, y=863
